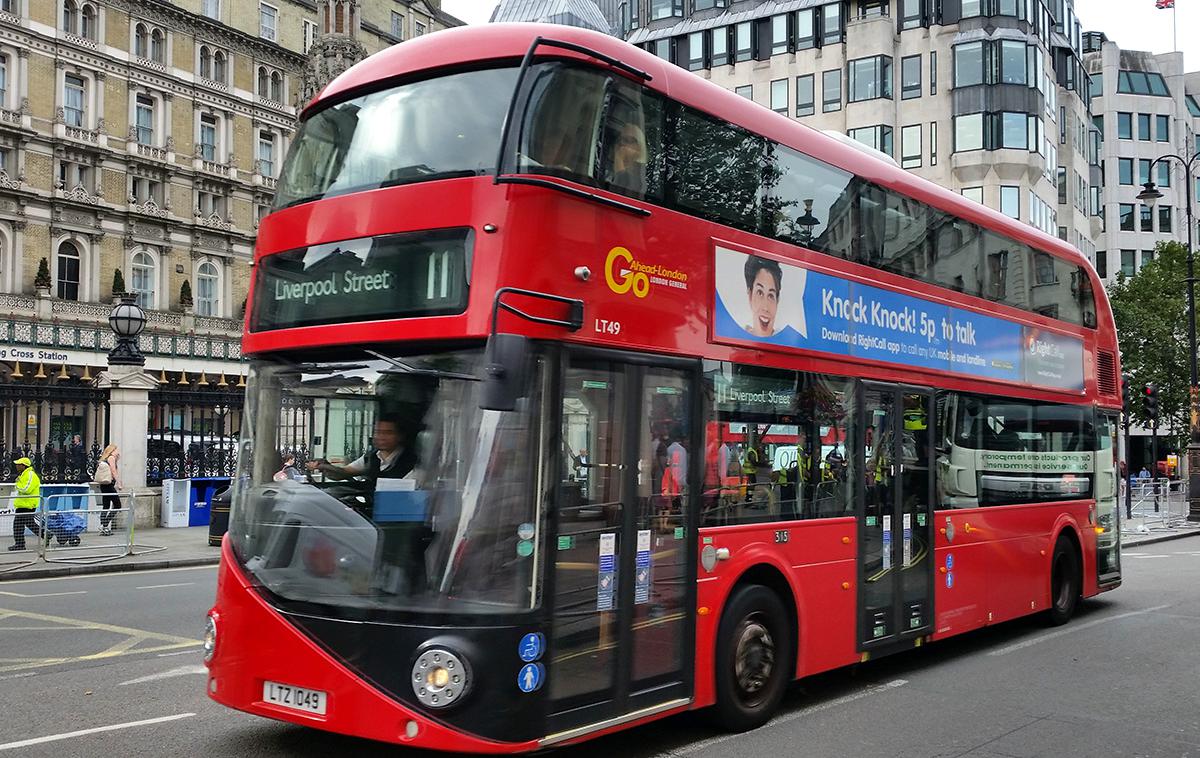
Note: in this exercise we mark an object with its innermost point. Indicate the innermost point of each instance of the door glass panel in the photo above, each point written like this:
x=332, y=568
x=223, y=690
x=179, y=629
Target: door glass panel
x=878, y=527
x=589, y=546
x=663, y=489
x=828, y=483
x=915, y=513
x=1108, y=549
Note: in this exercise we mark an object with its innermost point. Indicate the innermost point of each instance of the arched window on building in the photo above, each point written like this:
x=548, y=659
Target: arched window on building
x=277, y=86
x=219, y=67
x=158, y=46
x=142, y=276
x=67, y=271
x=70, y=17
x=87, y=22
x=141, y=41
x=264, y=82
x=206, y=62
x=208, y=290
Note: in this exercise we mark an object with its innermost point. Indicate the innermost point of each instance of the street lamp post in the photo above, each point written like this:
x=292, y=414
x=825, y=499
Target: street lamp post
x=127, y=321
x=1148, y=195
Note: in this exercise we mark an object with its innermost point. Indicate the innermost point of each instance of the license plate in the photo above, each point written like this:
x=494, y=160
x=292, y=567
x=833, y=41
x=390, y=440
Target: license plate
x=296, y=698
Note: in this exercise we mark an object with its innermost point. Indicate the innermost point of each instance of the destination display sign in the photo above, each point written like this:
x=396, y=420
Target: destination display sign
x=785, y=305
x=399, y=275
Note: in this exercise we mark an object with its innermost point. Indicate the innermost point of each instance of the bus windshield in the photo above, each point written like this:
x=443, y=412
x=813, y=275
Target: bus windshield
x=432, y=129
x=379, y=484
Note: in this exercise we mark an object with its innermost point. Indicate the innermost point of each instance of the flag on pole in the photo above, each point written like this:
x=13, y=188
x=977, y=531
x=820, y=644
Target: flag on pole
x=1164, y=4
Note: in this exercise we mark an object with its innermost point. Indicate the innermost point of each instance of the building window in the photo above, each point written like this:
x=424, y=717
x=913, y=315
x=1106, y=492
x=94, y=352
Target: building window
x=1062, y=185
x=158, y=46
x=72, y=175
x=933, y=143
x=1144, y=127
x=805, y=95
x=910, y=146
x=141, y=41
x=1147, y=218
x=418, y=28
x=70, y=17
x=310, y=32
x=1126, y=214
x=87, y=22
x=779, y=96
x=665, y=9
x=1013, y=64
x=205, y=62
x=142, y=277
x=968, y=132
x=910, y=77
x=779, y=35
x=277, y=86
x=973, y=193
x=1147, y=257
x=718, y=41
x=1102, y=263
x=67, y=268
x=1010, y=201
x=144, y=119
x=831, y=24
x=266, y=153
x=806, y=36
x=743, y=42
x=1163, y=131
x=933, y=72
x=268, y=21
x=210, y=204
x=877, y=137
x=873, y=8
x=1124, y=125
x=972, y=8
x=695, y=51
x=910, y=14
x=208, y=136
x=968, y=64
x=831, y=90
x=1164, y=174
x=3, y=81
x=74, y=91
x=1128, y=262
x=208, y=280
x=1142, y=83
x=870, y=78
x=1164, y=219
x=211, y=8
x=1125, y=171
x=219, y=68
x=746, y=91
x=397, y=26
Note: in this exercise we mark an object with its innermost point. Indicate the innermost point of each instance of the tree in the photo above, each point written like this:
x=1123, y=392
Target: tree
x=1150, y=309
x=118, y=286
x=185, y=294
x=42, y=278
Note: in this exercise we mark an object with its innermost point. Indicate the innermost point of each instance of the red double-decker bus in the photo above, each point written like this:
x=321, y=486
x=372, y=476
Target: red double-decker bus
x=584, y=392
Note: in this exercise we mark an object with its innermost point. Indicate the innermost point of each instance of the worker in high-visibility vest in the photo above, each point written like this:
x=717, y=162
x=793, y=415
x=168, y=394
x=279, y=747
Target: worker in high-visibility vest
x=29, y=494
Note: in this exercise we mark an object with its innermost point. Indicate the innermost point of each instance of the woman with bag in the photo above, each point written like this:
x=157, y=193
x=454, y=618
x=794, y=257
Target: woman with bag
x=109, y=478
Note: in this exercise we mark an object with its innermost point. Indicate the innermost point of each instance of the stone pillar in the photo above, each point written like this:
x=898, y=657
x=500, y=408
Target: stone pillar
x=128, y=420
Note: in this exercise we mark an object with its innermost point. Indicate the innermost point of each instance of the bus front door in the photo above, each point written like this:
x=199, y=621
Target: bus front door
x=895, y=516
x=621, y=582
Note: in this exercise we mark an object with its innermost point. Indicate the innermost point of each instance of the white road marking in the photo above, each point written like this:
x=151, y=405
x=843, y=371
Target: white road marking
x=44, y=594
x=1143, y=555
x=807, y=711
x=1071, y=630
x=21, y=675
x=94, y=730
x=112, y=574
x=181, y=671
x=164, y=586
x=181, y=652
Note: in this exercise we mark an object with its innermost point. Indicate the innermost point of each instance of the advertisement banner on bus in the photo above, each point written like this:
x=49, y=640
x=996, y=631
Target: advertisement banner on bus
x=762, y=300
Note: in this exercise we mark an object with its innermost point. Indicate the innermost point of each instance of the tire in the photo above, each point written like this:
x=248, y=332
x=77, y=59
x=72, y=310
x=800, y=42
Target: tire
x=754, y=661
x=1065, y=582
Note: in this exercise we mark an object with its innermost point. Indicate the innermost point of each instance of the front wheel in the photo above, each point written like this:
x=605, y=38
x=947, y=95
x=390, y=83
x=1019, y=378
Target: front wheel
x=755, y=650
x=1065, y=582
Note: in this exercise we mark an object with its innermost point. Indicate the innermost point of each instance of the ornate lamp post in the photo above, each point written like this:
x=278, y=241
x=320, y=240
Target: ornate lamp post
x=127, y=321
x=1149, y=195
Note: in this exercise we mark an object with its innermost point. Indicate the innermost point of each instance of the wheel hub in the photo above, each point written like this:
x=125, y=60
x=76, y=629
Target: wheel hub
x=754, y=659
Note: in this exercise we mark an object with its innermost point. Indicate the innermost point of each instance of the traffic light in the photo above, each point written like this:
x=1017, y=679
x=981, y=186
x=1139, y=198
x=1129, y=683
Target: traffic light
x=1126, y=392
x=1150, y=399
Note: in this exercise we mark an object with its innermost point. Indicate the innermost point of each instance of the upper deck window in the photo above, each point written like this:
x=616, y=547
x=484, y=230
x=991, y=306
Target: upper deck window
x=430, y=129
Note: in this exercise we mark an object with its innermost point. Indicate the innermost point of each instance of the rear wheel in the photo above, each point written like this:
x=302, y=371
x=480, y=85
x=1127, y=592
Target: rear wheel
x=754, y=658
x=1065, y=582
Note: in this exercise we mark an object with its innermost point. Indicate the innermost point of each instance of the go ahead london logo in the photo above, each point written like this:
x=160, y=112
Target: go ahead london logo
x=625, y=274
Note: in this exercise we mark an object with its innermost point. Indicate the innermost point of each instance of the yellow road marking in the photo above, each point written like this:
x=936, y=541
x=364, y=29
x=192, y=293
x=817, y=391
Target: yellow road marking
x=127, y=646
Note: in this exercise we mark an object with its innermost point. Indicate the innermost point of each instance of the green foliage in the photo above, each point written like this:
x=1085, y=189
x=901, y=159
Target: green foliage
x=42, y=278
x=118, y=284
x=1150, y=309
x=185, y=293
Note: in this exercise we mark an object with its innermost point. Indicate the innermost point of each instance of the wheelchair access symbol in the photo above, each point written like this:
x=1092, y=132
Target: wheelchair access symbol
x=531, y=677
x=531, y=647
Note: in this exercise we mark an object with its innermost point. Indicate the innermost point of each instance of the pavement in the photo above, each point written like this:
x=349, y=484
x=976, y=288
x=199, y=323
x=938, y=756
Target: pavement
x=160, y=548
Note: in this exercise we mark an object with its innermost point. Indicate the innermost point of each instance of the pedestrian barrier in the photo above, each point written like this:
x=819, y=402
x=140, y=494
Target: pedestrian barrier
x=1158, y=504
x=92, y=533
x=13, y=560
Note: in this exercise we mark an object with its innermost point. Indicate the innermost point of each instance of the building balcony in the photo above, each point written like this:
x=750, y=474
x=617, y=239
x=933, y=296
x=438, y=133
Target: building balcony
x=213, y=221
x=75, y=39
x=214, y=167
x=260, y=179
x=11, y=182
x=97, y=137
x=165, y=154
x=213, y=84
x=150, y=64
x=148, y=208
x=77, y=194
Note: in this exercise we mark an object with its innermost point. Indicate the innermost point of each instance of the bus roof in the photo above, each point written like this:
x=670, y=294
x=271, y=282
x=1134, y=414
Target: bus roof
x=471, y=45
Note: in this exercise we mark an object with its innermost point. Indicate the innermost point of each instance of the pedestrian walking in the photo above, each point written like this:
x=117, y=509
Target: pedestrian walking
x=29, y=494
x=108, y=476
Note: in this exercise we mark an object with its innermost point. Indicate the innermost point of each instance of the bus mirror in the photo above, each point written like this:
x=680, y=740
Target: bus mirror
x=504, y=362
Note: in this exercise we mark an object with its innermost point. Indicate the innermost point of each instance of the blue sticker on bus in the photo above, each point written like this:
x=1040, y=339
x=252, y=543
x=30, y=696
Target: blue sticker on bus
x=950, y=581
x=949, y=561
x=531, y=647
x=530, y=677
x=818, y=311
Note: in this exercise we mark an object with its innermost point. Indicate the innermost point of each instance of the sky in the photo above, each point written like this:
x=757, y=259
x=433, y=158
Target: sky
x=1132, y=24
x=477, y=11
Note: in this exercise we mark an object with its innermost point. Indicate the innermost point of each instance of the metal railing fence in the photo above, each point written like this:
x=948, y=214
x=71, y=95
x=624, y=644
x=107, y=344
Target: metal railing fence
x=67, y=528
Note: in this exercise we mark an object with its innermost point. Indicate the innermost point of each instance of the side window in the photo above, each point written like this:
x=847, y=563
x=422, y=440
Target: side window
x=717, y=170
x=631, y=154
x=560, y=134
x=805, y=201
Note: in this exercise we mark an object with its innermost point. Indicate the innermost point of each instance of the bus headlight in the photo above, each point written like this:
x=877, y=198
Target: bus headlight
x=210, y=638
x=440, y=677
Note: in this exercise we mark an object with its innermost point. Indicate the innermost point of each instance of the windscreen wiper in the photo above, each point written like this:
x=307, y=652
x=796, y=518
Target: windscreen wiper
x=400, y=367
